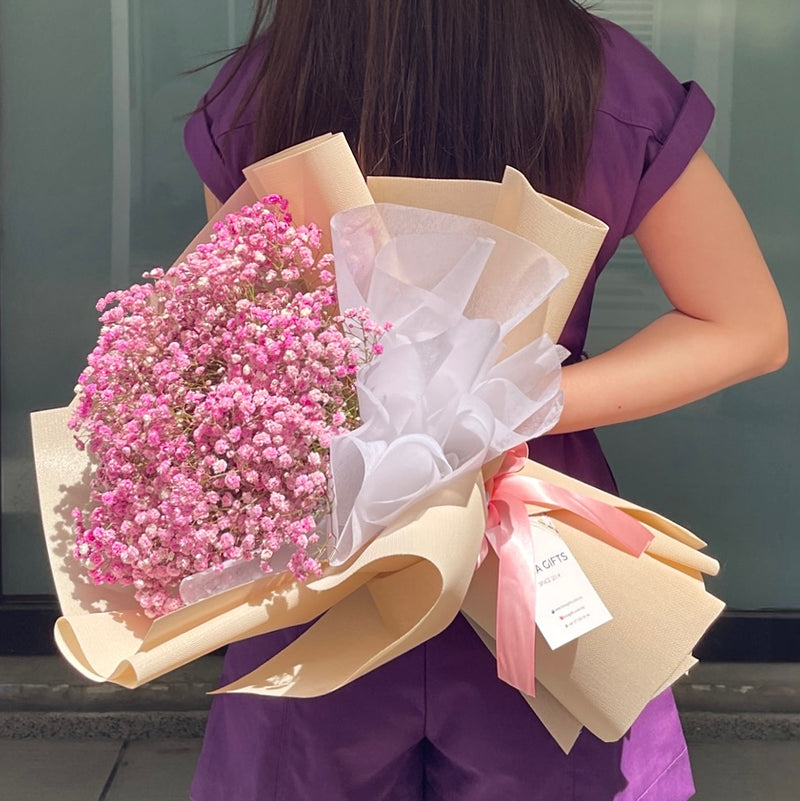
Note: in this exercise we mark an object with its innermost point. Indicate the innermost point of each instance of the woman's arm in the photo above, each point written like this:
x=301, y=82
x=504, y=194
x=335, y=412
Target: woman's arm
x=728, y=323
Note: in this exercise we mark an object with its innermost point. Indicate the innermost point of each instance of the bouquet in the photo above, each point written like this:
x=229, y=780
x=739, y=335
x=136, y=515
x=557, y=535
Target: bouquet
x=220, y=400
x=464, y=377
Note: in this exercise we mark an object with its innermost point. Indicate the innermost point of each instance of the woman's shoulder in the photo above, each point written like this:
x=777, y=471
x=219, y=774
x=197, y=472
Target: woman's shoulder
x=638, y=89
x=218, y=135
x=648, y=126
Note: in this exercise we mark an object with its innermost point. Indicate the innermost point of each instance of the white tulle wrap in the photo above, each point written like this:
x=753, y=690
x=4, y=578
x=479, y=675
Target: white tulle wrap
x=441, y=400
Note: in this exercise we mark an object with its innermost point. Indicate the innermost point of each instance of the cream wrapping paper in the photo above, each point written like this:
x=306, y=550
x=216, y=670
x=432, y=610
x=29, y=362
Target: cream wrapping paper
x=407, y=585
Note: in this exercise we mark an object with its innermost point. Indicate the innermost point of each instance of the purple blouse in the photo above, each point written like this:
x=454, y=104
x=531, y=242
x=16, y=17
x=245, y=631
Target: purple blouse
x=437, y=717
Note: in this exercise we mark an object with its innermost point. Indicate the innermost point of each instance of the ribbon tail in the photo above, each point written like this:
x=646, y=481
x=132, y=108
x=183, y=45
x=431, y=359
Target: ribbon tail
x=516, y=600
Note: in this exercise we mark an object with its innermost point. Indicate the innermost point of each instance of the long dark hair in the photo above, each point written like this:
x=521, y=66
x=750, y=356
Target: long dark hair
x=435, y=88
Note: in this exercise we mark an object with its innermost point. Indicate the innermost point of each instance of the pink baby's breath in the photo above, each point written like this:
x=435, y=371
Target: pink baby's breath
x=209, y=404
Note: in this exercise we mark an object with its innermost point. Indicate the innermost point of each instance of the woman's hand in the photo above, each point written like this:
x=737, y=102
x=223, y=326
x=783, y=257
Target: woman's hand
x=728, y=322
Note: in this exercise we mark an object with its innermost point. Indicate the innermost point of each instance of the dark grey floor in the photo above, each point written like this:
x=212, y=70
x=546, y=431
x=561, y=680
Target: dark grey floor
x=97, y=770
x=747, y=770
x=160, y=770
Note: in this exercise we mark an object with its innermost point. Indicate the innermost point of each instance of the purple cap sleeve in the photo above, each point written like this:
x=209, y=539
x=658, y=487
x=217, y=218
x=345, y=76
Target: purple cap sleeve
x=666, y=158
x=204, y=153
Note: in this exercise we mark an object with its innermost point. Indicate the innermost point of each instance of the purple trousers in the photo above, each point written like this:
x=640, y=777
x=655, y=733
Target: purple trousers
x=434, y=724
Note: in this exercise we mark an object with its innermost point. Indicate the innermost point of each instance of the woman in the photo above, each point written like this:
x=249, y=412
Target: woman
x=445, y=89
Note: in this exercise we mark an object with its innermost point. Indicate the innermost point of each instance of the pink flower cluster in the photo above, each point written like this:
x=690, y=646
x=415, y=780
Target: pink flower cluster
x=209, y=404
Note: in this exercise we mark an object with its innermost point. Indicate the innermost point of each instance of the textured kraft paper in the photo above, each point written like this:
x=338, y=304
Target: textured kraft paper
x=408, y=584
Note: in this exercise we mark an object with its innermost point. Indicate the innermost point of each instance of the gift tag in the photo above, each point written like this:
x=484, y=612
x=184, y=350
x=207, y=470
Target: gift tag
x=567, y=605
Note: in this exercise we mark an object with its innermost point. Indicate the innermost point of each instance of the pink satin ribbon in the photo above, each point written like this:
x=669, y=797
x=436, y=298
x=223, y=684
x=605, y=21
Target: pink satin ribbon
x=508, y=532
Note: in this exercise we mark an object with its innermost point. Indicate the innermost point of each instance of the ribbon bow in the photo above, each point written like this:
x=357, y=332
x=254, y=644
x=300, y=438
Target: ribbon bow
x=508, y=533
